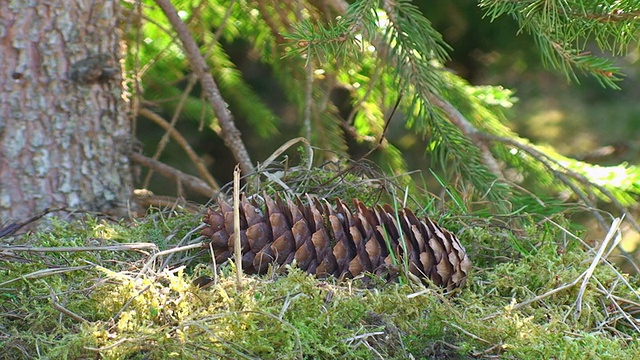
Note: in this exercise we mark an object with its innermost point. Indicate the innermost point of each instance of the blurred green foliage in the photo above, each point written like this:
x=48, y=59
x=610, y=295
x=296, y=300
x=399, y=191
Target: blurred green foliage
x=303, y=69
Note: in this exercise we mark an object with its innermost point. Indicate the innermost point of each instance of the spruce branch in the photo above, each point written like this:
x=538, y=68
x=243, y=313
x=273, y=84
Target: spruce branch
x=414, y=50
x=470, y=131
x=417, y=55
x=567, y=59
x=562, y=30
x=230, y=133
x=569, y=177
x=461, y=134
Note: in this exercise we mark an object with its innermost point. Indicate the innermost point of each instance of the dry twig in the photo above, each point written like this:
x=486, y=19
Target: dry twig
x=192, y=182
x=46, y=272
x=613, y=231
x=62, y=309
x=195, y=159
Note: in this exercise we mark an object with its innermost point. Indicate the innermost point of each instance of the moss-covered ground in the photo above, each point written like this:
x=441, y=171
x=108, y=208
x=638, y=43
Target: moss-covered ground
x=112, y=299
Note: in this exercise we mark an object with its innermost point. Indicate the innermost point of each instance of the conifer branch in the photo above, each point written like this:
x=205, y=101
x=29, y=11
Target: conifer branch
x=562, y=29
x=411, y=44
x=566, y=176
x=413, y=53
x=470, y=131
x=230, y=134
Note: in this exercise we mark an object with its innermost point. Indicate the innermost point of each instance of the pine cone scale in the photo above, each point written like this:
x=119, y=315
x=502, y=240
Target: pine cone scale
x=332, y=240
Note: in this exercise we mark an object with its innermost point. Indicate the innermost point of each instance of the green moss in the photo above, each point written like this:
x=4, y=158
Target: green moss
x=129, y=314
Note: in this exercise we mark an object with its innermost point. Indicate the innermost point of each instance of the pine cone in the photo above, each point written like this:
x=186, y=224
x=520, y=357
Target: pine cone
x=324, y=240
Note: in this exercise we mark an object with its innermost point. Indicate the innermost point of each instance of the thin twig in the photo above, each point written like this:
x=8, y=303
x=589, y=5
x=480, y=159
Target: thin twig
x=170, y=127
x=190, y=181
x=130, y=300
x=262, y=167
x=370, y=87
x=308, y=100
x=46, y=272
x=473, y=336
x=269, y=20
x=363, y=336
x=586, y=273
x=180, y=243
x=539, y=297
x=153, y=258
x=628, y=317
x=12, y=228
x=116, y=344
x=62, y=309
x=146, y=199
x=195, y=159
x=340, y=6
x=230, y=133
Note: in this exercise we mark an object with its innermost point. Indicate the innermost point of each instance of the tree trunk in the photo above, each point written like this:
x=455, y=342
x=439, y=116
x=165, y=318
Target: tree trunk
x=64, y=132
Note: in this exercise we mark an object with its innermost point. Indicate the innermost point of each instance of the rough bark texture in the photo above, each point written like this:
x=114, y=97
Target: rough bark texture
x=63, y=126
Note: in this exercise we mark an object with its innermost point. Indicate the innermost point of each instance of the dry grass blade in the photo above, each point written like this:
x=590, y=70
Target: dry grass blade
x=613, y=231
x=237, y=247
x=585, y=276
x=46, y=272
x=476, y=337
x=121, y=247
x=261, y=169
x=184, y=239
x=155, y=256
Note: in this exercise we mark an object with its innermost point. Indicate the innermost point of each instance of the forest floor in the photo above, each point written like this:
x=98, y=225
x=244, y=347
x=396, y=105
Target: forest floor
x=104, y=289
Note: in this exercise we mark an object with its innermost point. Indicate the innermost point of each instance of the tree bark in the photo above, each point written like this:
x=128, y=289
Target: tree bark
x=64, y=131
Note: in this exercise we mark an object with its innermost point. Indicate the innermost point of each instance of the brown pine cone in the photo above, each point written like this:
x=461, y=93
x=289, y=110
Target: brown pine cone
x=325, y=240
